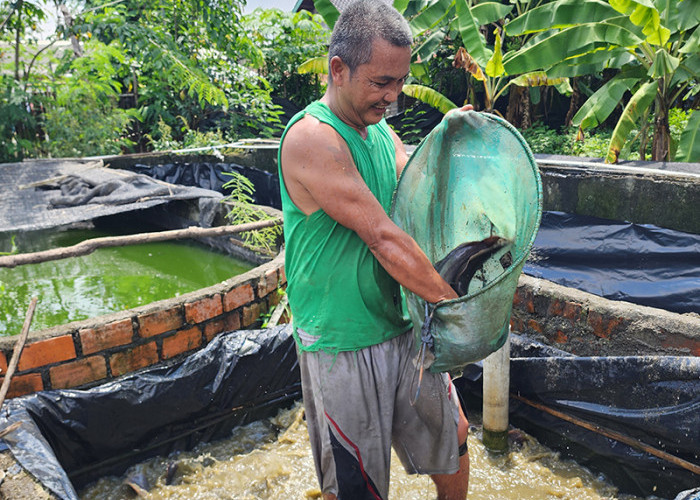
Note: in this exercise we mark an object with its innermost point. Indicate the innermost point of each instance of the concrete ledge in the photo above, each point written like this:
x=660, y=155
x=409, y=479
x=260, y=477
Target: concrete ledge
x=587, y=325
x=666, y=195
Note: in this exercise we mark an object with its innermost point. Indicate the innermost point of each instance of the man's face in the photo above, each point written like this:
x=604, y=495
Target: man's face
x=375, y=85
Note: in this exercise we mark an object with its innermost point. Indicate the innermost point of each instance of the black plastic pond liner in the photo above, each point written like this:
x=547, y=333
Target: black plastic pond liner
x=654, y=400
x=638, y=263
x=69, y=438
x=213, y=176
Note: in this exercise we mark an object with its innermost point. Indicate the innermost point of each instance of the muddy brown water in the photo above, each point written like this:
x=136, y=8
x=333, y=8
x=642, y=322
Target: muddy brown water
x=271, y=459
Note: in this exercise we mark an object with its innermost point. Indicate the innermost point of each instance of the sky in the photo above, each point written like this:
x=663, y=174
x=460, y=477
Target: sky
x=285, y=5
x=48, y=27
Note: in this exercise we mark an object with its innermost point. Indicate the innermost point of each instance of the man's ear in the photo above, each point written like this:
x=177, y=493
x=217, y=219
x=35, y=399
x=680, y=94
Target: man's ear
x=339, y=70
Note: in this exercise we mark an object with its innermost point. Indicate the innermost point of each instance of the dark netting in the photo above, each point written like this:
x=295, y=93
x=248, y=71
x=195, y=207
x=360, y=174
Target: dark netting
x=52, y=193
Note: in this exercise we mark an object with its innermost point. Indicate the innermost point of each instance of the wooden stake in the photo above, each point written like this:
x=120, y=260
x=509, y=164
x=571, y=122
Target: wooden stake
x=88, y=246
x=17, y=351
x=634, y=443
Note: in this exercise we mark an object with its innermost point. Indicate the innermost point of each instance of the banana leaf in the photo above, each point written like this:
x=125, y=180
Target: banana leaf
x=562, y=14
x=472, y=39
x=401, y=5
x=318, y=65
x=425, y=50
x=689, y=145
x=328, y=11
x=568, y=43
x=430, y=17
x=635, y=109
x=490, y=12
x=643, y=13
x=603, y=102
x=429, y=96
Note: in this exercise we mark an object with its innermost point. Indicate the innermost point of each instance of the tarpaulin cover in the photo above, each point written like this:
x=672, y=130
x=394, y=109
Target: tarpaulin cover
x=652, y=399
x=471, y=178
x=69, y=438
x=638, y=263
x=52, y=193
x=213, y=176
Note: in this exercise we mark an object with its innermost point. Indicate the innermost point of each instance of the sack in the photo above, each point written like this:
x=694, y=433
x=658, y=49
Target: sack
x=471, y=178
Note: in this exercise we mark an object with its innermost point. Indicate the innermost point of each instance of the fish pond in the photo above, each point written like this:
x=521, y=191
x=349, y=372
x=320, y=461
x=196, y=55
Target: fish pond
x=106, y=281
x=271, y=459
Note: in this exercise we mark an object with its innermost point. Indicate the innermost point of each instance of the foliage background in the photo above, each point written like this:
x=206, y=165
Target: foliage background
x=137, y=75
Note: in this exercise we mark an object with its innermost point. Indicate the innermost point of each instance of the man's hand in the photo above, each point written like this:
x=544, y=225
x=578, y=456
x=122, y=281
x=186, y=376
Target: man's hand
x=466, y=107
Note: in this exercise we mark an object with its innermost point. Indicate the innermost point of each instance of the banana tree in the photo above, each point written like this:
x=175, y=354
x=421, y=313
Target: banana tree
x=431, y=22
x=653, y=44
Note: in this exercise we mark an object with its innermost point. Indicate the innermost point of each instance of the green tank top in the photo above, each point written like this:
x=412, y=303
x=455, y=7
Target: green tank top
x=337, y=289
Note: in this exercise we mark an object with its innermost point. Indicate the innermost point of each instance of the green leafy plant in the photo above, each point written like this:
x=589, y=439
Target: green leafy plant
x=84, y=119
x=243, y=211
x=286, y=40
x=13, y=247
x=653, y=44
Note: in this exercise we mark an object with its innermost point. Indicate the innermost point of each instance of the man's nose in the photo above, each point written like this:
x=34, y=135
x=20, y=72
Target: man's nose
x=393, y=91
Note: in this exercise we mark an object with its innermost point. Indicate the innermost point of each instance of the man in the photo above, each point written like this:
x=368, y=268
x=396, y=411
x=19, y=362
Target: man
x=345, y=258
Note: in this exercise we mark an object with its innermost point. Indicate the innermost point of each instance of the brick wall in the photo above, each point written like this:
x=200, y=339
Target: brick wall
x=588, y=325
x=90, y=352
x=93, y=351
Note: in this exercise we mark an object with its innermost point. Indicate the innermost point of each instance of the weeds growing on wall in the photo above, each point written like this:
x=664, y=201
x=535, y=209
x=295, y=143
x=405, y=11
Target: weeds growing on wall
x=243, y=211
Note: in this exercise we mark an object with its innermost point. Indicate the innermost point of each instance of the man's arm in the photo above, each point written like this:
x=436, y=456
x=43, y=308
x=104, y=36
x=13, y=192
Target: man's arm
x=319, y=173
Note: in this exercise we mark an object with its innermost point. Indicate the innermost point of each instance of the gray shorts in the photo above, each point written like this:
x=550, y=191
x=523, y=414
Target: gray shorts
x=358, y=405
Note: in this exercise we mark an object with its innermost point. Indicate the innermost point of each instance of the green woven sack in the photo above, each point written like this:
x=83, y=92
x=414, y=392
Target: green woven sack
x=471, y=178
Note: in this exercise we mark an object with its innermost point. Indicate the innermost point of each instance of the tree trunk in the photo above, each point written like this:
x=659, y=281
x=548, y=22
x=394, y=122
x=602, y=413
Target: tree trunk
x=18, y=33
x=518, y=112
x=661, y=143
x=68, y=19
x=574, y=102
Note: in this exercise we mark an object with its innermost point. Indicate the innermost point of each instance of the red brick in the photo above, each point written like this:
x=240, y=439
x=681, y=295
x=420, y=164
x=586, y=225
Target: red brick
x=3, y=363
x=182, y=341
x=213, y=328
x=78, y=373
x=534, y=325
x=251, y=314
x=46, y=352
x=523, y=299
x=517, y=324
x=273, y=299
x=106, y=336
x=560, y=337
x=232, y=321
x=160, y=322
x=24, y=384
x=229, y=322
x=202, y=310
x=572, y=311
x=556, y=308
x=133, y=359
x=282, y=276
x=238, y=297
x=603, y=327
x=690, y=345
x=267, y=283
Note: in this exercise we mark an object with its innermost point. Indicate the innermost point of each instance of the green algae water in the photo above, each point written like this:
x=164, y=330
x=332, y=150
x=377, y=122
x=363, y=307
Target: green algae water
x=108, y=280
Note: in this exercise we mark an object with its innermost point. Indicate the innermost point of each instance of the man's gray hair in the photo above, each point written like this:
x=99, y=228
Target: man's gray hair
x=359, y=25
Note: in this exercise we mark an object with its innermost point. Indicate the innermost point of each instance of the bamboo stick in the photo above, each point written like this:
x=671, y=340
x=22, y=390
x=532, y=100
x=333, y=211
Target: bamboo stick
x=12, y=366
x=634, y=443
x=88, y=246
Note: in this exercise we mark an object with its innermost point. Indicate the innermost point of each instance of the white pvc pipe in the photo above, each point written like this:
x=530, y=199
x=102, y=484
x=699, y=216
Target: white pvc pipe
x=496, y=393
